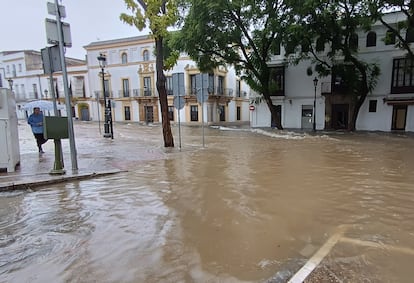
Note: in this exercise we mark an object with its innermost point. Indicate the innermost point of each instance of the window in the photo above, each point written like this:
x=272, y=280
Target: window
x=320, y=44
x=193, y=84
x=127, y=113
x=238, y=88
x=409, y=36
x=211, y=83
x=372, y=106
x=125, y=87
x=8, y=69
x=171, y=113
x=353, y=41
x=389, y=37
x=194, y=112
x=147, y=86
x=220, y=85
x=277, y=77
x=238, y=114
x=20, y=67
x=14, y=70
x=35, y=93
x=107, y=92
x=277, y=48
x=1, y=81
x=371, y=39
x=124, y=58
x=402, y=76
x=145, y=55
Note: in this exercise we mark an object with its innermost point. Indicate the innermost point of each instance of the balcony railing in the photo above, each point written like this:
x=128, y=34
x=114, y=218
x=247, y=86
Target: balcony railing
x=99, y=93
x=125, y=93
x=145, y=92
x=228, y=92
x=142, y=92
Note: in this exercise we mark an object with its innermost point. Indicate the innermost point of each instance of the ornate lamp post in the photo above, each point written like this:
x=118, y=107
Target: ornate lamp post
x=108, y=132
x=315, y=83
x=46, y=92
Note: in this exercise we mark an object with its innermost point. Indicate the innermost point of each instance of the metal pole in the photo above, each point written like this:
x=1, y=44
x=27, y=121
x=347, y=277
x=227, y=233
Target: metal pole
x=66, y=87
x=314, y=111
x=99, y=115
x=202, y=114
x=106, y=117
x=110, y=118
x=179, y=120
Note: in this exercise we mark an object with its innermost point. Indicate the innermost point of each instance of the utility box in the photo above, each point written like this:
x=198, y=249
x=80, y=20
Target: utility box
x=9, y=133
x=55, y=127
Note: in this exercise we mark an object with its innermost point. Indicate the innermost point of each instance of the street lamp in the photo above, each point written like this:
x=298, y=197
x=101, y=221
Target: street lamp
x=315, y=83
x=10, y=80
x=108, y=130
x=46, y=92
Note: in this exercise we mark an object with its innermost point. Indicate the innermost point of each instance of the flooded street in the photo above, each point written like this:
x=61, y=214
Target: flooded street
x=250, y=206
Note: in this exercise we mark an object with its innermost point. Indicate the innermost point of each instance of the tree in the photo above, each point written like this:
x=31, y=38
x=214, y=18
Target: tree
x=397, y=30
x=158, y=16
x=333, y=25
x=242, y=33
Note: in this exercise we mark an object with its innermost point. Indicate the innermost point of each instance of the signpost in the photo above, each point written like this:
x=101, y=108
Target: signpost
x=178, y=92
x=202, y=95
x=58, y=33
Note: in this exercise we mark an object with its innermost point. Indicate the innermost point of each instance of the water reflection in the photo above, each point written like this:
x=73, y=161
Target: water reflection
x=244, y=208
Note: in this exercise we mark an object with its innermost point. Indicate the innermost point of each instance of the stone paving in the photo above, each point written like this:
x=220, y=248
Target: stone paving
x=95, y=156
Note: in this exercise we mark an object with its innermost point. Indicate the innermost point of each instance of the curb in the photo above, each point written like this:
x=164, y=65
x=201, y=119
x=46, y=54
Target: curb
x=22, y=185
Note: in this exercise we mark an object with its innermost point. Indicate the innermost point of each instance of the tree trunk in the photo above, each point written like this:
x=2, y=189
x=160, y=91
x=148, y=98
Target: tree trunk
x=166, y=126
x=275, y=115
x=355, y=112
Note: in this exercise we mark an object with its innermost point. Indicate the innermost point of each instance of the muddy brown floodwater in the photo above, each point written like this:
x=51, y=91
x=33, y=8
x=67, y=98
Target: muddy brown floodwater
x=250, y=206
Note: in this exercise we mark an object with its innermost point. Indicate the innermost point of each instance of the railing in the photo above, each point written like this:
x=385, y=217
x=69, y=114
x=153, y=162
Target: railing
x=99, y=93
x=228, y=92
x=145, y=92
x=141, y=92
x=124, y=93
x=241, y=93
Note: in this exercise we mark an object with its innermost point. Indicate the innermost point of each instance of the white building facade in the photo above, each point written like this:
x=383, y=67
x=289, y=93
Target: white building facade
x=390, y=106
x=130, y=80
x=25, y=69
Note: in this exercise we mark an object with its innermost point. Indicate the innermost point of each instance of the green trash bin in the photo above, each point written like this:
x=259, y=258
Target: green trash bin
x=56, y=128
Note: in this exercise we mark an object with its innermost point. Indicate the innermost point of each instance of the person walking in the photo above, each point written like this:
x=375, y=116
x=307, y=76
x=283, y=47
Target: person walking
x=36, y=122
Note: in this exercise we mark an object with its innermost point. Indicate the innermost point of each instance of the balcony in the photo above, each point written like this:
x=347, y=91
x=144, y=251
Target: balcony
x=124, y=93
x=99, y=94
x=143, y=92
x=217, y=91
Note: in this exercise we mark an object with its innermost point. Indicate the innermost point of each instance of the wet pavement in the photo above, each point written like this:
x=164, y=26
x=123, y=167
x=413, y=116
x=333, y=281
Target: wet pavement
x=251, y=206
x=95, y=155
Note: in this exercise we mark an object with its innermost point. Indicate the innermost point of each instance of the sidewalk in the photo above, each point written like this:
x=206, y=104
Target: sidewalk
x=96, y=156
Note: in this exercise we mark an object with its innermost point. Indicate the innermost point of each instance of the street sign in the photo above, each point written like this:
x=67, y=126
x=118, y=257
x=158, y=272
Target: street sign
x=202, y=87
x=52, y=36
x=178, y=84
x=51, y=59
x=179, y=102
x=51, y=10
x=252, y=108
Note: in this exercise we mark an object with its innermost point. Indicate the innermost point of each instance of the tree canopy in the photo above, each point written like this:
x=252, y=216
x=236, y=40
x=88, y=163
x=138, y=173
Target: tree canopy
x=241, y=33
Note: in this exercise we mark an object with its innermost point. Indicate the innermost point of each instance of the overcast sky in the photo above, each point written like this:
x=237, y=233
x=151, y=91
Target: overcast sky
x=22, y=23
